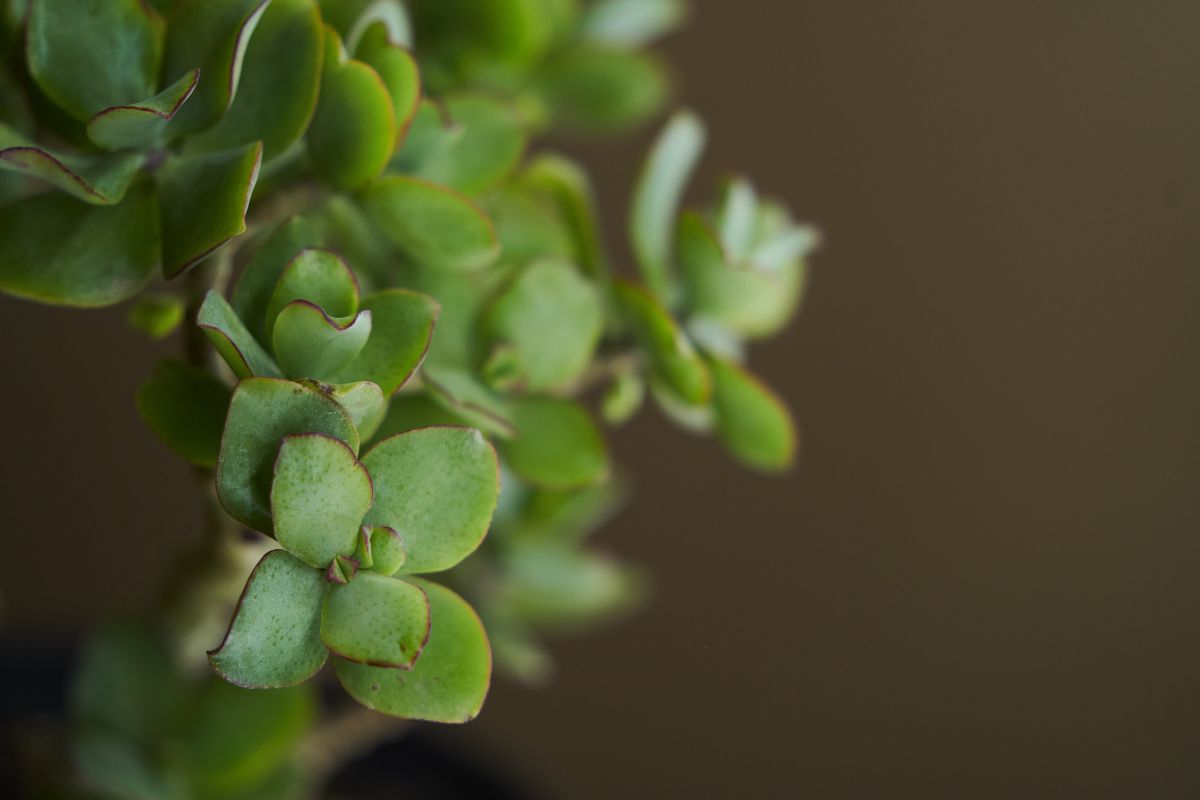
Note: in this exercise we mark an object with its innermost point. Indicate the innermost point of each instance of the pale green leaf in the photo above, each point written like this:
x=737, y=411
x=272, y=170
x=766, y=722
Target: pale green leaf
x=402, y=327
x=751, y=419
x=377, y=620
x=557, y=445
x=230, y=337
x=435, y=225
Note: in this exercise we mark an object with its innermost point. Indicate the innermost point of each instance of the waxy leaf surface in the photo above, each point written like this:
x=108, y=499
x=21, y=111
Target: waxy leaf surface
x=254, y=289
x=141, y=125
x=99, y=179
x=319, y=277
x=435, y=225
x=402, y=327
x=486, y=151
x=240, y=350
x=375, y=619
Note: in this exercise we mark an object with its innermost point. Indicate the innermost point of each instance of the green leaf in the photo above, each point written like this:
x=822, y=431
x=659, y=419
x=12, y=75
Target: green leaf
x=141, y=125
x=397, y=68
x=97, y=178
x=552, y=317
x=87, y=55
x=353, y=132
x=673, y=360
x=318, y=498
x=656, y=199
x=409, y=412
x=623, y=398
x=468, y=400
x=212, y=35
x=751, y=419
x=430, y=132
x=438, y=488
x=204, y=202
x=116, y=768
x=568, y=185
x=240, y=350
x=263, y=411
x=252, y=294
x=600, y=89
x=562, y=588
x=450, y=680
x=435, y=225
x=274, y=639
x=376, y=620
x=387, y=549
x=402, y=327
x=237, y=739
x=353, y=18
x=156, y=315
x=277, y=94
x=54, y=249
x=185, y=407
x=631, y=23
x=319, y=277
x=557, y=445
x=486, y=151
x=363, y=401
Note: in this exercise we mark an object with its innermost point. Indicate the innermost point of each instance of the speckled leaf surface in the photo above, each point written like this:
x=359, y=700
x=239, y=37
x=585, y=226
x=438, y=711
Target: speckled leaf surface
x=309, y=343
x=54, y=249
x=486, y=151
x=437, y=226
x=274, y=639
x=363, y=401
x=185, y=407
x=319, y=277
x=673, y=359
x=263, y=411
x=142, y=124
x=87, y=55
x=387, y=549
x=557, y=445
x=402, y=327
x=437, y=487
x=751, y=419
x=319, y=496
x=252, y=294
x=449, y=681
x=240, y=350
x=100, y=179
x=377, y=620
x=204, y=201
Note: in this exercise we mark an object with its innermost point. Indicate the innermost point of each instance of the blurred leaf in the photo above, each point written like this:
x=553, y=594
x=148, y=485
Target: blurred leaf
x=557, y=445
x=318, y=498
x=751, y=419
x=600, y=90
x=472, y=403
x=449, y=681
x=518, y=652
x=631, y=23
x=204, y=201
x=141, y=124
x=398, y=70
x=352, y=18
x=402, y=326
x=211, y=35
x=673, y=360
x=431, y=131
x=623, y=398
x=277, y=94
x=319, y=277
x=116, y=768
x=263, y=411
x=435, y=225
x=274, y=639
x=54, y=249
x=571, y=515
x=409, y=412
x=552, y=317
x=571, y=190
x=70, y=48
x=438, y=488
x=156, y=315
x=377, y=620
x=528, y=226
x=561, y=588
x=353, y=132
x=230, y=337
x=99, y=179
x=486, y=151
x=363, y=401
x=656, y=200
x=185, y=407
x=252, y=293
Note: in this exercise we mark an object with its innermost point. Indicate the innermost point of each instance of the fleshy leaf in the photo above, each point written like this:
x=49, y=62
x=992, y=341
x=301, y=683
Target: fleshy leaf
x=155, y=315
x=263, y=411
x=631, y=23
x=402, y=326
x=212, y=35
x=450, y=680
x=377, y=620
x=99, y=179
x=277, y=94
x=240, y=350
x=469, y=400
x=353, y=132
x=319, y=277
x=557, y=445
x=751, y=419
x=623, y=398
x=387, y=549
x=570, y=188
x=274, y=638
x=437, y=226
x=397, y=68
x=559, y=587
x=656, y=199
x=87, y=56
x=54, y=249
x=185, y=407
x=353, y=18
x=318, y=498
x=204, y=203
x=601, y=89
x=363, y=401
x=252, y=294
x=437, y=487
x=141, y=125
x=672, y=358
x=484, y=154
x=553, y=317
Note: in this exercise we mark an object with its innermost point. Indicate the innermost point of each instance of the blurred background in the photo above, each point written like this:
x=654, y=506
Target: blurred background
x=981, y=580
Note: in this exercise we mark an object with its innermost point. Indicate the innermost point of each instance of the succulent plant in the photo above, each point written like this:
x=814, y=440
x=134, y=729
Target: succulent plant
x=421, y=307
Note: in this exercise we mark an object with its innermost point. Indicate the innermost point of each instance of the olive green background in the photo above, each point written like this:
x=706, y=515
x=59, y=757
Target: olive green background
x=983, y=579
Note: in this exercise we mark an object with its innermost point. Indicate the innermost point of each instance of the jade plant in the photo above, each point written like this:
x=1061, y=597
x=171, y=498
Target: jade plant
x=401, y=328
